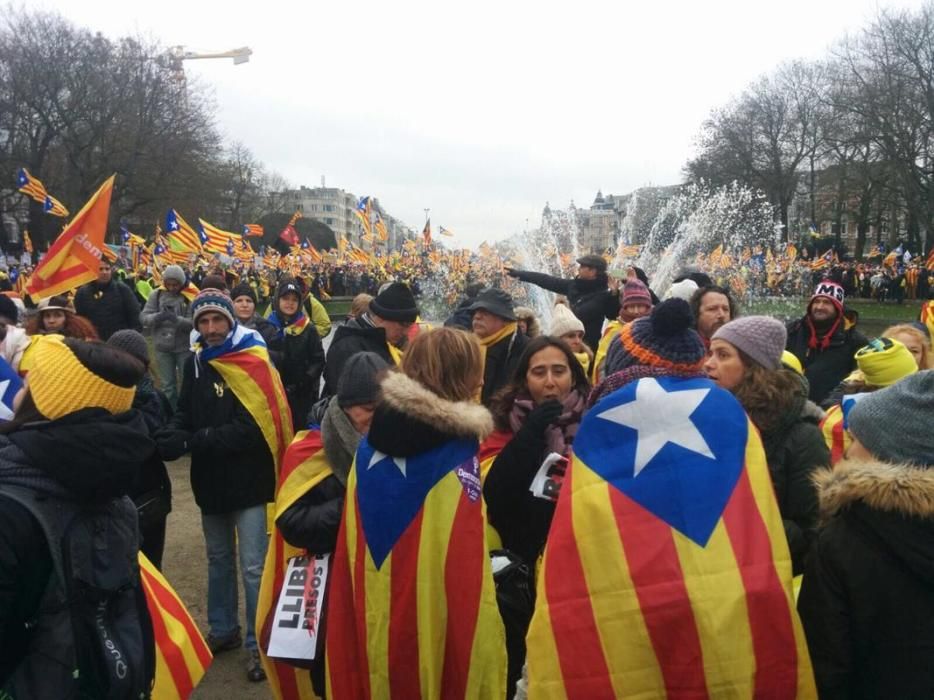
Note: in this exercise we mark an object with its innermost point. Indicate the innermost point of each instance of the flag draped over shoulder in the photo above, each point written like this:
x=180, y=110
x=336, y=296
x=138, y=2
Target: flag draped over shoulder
x=182, y=656
x=304, y=466
x=412, y=610
x=243, y=361
x=666, y=570
x=75, y=256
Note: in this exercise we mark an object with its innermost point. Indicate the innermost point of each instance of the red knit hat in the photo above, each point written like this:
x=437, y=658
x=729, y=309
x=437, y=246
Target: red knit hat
x=829, y=290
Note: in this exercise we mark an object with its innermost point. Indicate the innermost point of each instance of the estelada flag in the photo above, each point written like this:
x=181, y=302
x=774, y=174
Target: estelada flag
x=304, y=466
x=666, y=570
x=243, y=361
x=182, y=656
x=75, y=256
x=927, y=316
x=412, y=610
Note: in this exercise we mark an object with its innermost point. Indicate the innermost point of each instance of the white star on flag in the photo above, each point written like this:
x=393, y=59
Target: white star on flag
x=380, y=456
x=6, y=412
x=655, y=427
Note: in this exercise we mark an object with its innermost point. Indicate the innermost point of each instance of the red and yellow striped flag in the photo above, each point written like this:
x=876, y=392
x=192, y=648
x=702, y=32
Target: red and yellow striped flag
x=54, y=207
x=75, y=256
x=304, y=466
x=666, y=571
x=838, y=439
x=412, y=610
x=182, y=656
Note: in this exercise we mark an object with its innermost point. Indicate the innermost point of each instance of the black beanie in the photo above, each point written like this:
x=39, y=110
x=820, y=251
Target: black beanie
x=359, y=380
x=8, y=309
x=288, y=285
x=395, y=303
x=243, y=290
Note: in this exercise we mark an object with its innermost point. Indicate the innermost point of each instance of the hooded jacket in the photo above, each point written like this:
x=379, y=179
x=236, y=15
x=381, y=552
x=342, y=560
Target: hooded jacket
x=89, y=458
x=867, y=601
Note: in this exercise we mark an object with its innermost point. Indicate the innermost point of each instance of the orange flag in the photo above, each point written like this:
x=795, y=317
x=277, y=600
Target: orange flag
x=75, y=256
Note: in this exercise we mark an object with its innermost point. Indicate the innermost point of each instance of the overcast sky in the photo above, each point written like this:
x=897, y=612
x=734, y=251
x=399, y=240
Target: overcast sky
x=482, y=112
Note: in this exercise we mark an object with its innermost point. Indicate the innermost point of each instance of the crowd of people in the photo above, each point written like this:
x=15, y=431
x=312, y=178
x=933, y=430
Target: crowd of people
x=621, y=500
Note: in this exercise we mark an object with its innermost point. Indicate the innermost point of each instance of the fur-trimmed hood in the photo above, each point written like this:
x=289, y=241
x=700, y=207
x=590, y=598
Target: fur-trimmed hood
x=897, y=488
x=887, y=507
x=411, y=419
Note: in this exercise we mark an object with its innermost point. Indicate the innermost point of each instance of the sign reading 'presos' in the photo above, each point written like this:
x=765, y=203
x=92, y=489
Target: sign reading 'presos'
x=297, y=619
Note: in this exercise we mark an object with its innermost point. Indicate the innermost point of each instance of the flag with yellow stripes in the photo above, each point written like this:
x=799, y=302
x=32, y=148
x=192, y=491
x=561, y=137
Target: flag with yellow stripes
x=666, y=571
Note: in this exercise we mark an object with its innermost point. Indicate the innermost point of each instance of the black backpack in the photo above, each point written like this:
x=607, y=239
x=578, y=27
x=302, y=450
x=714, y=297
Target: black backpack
x=91, y=636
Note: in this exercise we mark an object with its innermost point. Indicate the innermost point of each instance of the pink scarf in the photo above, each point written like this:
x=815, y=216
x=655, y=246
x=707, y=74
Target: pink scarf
x=559, y=436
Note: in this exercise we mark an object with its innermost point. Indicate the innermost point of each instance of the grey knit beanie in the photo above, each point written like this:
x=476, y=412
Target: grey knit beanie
x=174, y=272
x=359, y=380
x=894, y=423
x=131, y=342
x=762, y=338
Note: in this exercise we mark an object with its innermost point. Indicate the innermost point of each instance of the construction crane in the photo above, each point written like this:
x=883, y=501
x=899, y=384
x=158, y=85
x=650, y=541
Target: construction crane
x=179, y=54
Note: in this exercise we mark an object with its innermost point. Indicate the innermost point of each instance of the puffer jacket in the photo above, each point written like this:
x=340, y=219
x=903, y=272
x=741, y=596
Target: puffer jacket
x=867, y=599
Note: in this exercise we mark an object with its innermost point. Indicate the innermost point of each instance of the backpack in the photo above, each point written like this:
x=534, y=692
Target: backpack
x=91, y=636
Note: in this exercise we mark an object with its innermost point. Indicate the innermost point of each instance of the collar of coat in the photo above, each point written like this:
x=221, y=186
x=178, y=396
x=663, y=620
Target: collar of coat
x=457, y=418
x=898, y=488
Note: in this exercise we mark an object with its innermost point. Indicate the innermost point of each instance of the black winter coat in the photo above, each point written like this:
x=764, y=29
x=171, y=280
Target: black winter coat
x=353, y=337
x=795, y=449
x=300, y=364
x=313, y=521
x=153, y=478
x=867, y=600
x=500, y=364
x=590, y=300
x=824, y=369
x=110, y=307
x=87, y=456
x=521, y=519
x=231, y=465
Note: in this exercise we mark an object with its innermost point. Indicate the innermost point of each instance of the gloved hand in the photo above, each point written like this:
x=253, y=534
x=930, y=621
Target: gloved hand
x=542, y=416
x=172, y=443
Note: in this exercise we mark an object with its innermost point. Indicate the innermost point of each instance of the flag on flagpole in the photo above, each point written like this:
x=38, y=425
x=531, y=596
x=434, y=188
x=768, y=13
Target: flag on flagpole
x=253, y=230
x=289, y=234
x=31, y=186
x=362, y=210
x=214, y=239
x=381, y=229
x=54, y=207
x=426, y=232
x=182, y=237
x=75, y=256
x=445, y=232
x=182, y=656
x=825, y=260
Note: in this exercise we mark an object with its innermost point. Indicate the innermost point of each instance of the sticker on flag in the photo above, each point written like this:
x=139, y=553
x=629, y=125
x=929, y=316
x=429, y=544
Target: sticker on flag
x=10, y=384
x=297, y=618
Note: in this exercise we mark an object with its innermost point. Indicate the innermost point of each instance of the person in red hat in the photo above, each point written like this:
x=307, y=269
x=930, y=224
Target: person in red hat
x=822, y=341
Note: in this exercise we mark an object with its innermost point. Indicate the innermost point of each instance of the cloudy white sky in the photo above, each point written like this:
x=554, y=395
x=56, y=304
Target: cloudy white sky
x=480, y=111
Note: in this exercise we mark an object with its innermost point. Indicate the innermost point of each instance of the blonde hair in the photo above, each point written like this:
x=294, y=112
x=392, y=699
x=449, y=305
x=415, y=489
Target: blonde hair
x=360, y=304
x=446, y=361
x=927, y=357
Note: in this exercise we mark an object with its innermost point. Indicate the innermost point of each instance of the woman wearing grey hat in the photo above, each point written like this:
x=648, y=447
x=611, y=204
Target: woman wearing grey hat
x=745, y=358
x=867, y=601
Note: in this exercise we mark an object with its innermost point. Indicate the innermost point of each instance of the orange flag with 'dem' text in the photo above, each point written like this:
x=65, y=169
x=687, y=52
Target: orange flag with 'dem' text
x=75, y=256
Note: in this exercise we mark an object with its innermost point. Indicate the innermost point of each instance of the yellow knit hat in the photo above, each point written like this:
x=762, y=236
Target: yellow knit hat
x=791, y=361
x=59, y=384
x=884, y=361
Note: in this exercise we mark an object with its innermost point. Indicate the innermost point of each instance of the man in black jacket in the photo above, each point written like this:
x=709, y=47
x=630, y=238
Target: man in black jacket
x=232, y=476
x=108, y=303
x=383, y=330
x=502, y=343
x=823, y=341
x=588, y=294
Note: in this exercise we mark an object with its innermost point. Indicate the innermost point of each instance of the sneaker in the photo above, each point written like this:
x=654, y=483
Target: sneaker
x=254, y=668
x=225, y=643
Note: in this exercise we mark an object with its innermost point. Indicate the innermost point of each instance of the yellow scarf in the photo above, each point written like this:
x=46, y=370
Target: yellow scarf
x=504, y=332
x=584, y=359
x=395, y=353
x=611, y=331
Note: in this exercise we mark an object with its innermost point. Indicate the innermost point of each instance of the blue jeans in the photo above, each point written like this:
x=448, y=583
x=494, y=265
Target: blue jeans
x=169, y=368
x=223, y=605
